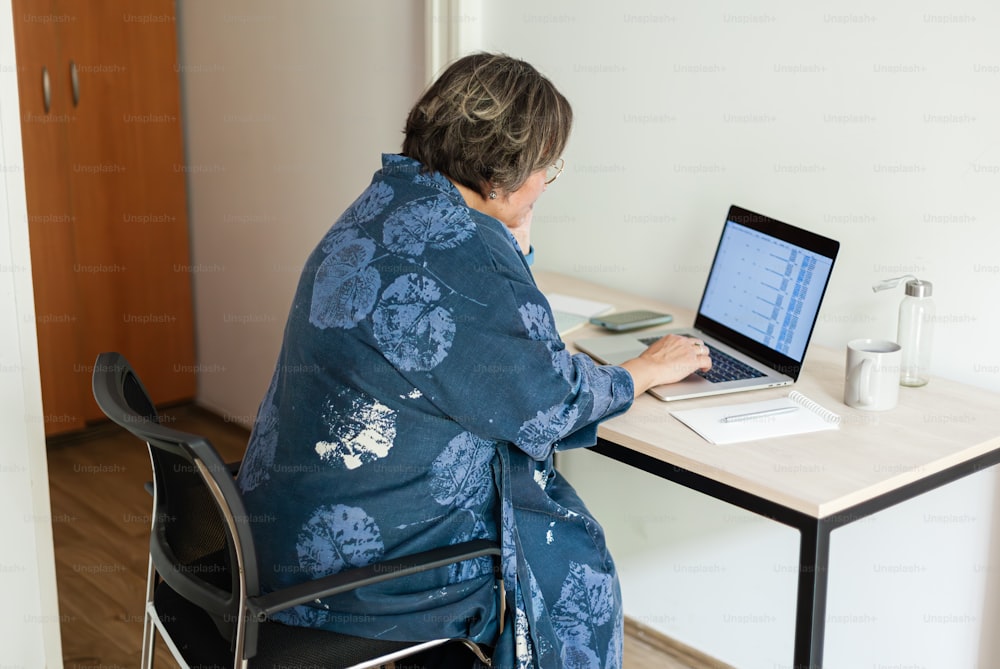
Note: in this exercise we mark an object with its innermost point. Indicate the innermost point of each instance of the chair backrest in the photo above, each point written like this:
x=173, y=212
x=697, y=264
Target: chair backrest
x=200, y=540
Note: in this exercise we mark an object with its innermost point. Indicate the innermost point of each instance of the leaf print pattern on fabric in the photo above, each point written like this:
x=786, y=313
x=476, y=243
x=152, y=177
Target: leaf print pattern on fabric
x=538, y=433
x=413, y=331
x=346, y=286
x=430, y=222
x=340, y=234
x=302, y=616
x=575, y=656
x=536, y=321
x=397, y=159
x=336, y=537
x=544, y=645
x=522, y=639
x=562, y=361
x=469, y=570
x=461, y=474
x=586, y=601
x=540, y=327
x=256, y=467
x=371, y=203
x=508, y=544
x=365, y=432
x=615, y=655
x=600, y=386
x=436, y=180
x=542, y=474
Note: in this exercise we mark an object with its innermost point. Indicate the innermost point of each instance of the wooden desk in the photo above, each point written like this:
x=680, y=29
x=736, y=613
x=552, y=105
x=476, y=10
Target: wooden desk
x=815, y=482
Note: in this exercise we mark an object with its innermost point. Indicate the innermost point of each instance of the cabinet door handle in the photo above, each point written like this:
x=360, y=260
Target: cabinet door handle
x=46, y=90
x=74, y=80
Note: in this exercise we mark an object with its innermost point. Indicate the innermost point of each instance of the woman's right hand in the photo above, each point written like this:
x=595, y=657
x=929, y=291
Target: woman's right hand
x=667, y=360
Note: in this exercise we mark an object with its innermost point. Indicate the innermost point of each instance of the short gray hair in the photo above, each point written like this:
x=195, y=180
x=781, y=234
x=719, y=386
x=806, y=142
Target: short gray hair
x=489, y=121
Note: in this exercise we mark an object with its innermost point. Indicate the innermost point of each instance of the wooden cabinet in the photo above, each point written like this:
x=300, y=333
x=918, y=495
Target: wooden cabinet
x=106, y=190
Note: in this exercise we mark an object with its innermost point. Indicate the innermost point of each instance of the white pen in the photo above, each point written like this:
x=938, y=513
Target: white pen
x=758, y=414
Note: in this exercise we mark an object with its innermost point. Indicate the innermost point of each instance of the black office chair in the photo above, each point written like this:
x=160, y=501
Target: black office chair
x=203, y=593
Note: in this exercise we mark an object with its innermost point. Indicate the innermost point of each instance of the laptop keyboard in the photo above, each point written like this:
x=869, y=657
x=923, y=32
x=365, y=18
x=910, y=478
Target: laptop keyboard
x=724, y=366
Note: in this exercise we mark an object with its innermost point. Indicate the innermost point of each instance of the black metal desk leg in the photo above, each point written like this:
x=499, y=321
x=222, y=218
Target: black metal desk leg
x=810, y=613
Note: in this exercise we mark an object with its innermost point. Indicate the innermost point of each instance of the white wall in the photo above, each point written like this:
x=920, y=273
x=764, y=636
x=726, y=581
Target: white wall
x=873, y=123
x=29, y=623
x=287, y=108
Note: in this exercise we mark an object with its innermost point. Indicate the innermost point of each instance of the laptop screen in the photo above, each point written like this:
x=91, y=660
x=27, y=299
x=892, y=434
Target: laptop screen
x=766, y=287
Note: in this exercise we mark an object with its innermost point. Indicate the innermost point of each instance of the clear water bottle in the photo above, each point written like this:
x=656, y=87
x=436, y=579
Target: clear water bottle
x=916, y=333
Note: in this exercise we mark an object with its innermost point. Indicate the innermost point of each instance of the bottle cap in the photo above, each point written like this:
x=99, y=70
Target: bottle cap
x=918, y=288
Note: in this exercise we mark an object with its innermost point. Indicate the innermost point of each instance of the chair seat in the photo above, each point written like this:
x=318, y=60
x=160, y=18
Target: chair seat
x=194, y=634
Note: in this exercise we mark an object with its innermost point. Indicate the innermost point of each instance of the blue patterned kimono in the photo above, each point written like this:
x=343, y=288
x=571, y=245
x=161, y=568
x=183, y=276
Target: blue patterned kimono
x=420, y=393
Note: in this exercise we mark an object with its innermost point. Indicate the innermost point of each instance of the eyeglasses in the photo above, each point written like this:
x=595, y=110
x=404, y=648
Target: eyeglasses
x=553, y=171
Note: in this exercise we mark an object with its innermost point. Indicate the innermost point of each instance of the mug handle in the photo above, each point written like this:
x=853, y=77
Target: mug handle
x=865, y=383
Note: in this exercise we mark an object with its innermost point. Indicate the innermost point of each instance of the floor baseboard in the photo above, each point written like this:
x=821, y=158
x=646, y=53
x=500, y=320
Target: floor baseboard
x=665, y=646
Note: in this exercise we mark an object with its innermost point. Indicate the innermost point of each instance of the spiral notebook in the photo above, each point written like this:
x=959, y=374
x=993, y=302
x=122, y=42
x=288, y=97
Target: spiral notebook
x=749, y=421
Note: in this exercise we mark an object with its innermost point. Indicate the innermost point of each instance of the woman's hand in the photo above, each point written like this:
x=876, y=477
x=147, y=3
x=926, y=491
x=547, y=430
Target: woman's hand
x=667, y=360
x=514, y=209
x=522, y=233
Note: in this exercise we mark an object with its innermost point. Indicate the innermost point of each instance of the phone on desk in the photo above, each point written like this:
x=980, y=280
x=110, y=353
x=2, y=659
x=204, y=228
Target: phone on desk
x=624, y=321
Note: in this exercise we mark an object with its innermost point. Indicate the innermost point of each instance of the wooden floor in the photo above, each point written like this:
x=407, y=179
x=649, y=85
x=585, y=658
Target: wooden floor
x=100, y=516
x=100, y=526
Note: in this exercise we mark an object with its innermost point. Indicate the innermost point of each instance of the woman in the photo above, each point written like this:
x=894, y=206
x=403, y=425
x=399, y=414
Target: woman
x=422, y=389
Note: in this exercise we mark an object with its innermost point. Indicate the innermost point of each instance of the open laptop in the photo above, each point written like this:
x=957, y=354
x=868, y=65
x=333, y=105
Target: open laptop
x=756, y=315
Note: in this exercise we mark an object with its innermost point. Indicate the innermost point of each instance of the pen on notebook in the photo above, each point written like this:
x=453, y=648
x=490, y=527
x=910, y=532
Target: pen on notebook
x=758, y=414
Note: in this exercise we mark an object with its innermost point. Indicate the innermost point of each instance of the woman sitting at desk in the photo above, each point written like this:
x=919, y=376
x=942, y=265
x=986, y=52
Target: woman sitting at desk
x=422, y=389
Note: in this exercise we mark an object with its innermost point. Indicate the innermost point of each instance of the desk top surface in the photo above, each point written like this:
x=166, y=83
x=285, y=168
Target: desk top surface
x=872, y=453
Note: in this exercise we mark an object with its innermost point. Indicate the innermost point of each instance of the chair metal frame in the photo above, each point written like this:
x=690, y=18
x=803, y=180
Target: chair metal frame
x=121, y=396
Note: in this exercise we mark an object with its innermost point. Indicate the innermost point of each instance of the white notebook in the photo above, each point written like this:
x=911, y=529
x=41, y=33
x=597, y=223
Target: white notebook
x=749, y=421
x=572, y=312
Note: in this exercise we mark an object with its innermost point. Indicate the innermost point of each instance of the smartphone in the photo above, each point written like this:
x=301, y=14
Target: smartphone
x=623, y=321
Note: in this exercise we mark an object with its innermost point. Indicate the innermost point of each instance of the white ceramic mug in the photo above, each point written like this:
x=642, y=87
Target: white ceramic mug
x=872, y=380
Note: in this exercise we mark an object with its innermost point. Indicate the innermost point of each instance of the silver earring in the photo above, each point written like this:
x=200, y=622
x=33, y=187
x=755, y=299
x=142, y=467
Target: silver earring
x=493, y=195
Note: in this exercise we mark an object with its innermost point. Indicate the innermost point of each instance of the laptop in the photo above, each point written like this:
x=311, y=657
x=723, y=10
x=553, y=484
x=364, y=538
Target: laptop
x=757, y=312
